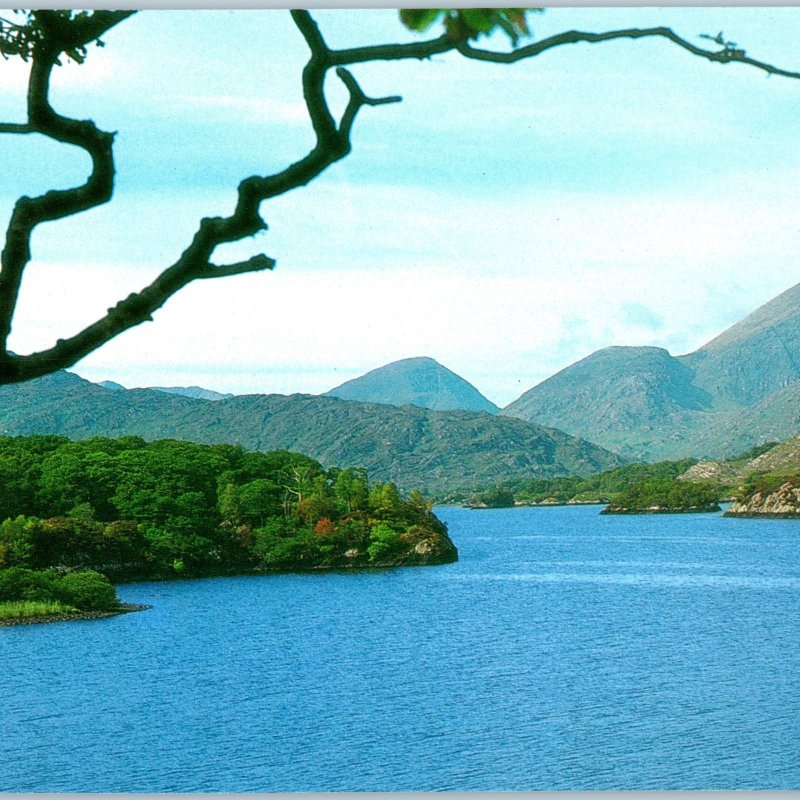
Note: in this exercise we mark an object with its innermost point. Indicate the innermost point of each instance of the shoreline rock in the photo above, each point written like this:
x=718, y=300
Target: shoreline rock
x=661, y=510
x=783, y=503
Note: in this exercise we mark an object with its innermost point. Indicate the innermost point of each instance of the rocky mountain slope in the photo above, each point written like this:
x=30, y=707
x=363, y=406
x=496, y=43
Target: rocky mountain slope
x=197, y=392
x=754, y=358
x=741, y=388
x=781, y=457
x=419, y=382
x=437, y=451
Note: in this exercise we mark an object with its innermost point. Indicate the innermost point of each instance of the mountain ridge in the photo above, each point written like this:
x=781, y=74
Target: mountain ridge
x=437, y=451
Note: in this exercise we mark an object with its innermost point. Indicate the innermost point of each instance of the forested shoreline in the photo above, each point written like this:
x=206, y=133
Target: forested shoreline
x=136, y=510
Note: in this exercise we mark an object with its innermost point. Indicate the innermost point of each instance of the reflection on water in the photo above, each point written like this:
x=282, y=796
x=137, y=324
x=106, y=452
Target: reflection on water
x=564, y=651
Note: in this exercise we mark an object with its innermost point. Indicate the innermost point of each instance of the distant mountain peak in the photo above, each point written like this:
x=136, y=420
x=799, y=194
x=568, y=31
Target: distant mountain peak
x=419, y=381
x=781, y=309
x=753, y=358
x=733, y=392
x=112, y=386
x=195, y=392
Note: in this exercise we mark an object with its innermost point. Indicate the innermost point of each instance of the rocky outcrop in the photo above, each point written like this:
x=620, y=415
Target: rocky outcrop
x=433, y=549
x=783, y=503
x=702, y=470
x=709, y=508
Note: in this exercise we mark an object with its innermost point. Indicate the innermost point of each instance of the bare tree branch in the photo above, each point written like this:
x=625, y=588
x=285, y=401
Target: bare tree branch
x=257, y=263
x=357, y=100
x=333, y=143
x=724, y=56
x=314, y=78
x=30, y=212
x=392, y=52
x=16, y=127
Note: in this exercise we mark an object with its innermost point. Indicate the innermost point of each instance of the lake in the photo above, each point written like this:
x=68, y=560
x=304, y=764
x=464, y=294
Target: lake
x=565, y=650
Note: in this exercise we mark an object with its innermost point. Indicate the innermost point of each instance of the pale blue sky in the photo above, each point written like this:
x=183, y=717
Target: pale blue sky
x=505, y=220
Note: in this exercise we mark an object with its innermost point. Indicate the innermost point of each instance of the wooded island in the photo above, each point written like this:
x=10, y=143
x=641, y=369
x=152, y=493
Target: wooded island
x=133, y=510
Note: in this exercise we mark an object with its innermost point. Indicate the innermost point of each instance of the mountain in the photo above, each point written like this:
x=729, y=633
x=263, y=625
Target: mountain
x=737, y=390
x=437, y=451
x=775, y=418
x=419, y=382
x=112, y=386
x=197, y=392
x=619, y=395
x=754, y=357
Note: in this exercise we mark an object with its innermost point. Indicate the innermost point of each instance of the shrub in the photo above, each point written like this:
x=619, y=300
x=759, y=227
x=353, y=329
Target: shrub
x=287, y=553
x=20, y=583
x=87, y=590
x=324, y=527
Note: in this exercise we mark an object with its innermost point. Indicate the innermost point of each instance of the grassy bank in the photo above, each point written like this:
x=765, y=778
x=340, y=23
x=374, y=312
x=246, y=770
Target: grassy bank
x=30, y=609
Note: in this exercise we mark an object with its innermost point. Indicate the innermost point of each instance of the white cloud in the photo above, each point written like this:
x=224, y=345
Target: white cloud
x=307, y=331
x=258, y=109
x=505, y=292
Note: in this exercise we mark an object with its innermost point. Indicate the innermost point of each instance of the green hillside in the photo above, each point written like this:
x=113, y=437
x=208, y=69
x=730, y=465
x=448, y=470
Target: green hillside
x=628, y=398
x=436, y=451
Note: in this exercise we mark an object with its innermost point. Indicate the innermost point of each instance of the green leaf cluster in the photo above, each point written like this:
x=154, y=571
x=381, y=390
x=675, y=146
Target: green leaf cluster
x=23, y=32
x=469, y=23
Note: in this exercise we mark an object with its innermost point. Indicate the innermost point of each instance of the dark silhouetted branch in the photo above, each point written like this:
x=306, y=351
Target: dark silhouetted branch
x=724, y=56
x=16, y=127
x=257, y=263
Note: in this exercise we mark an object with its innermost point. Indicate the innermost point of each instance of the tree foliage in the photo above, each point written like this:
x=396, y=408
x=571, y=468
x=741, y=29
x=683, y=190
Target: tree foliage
x=470, y=23
x=597, y=488
x=44, y=38
x=132, y=509
x=666, y=494
x=26, y=33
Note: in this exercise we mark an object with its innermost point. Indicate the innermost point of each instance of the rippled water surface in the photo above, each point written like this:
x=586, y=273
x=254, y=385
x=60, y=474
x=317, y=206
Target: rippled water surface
x=564, y=651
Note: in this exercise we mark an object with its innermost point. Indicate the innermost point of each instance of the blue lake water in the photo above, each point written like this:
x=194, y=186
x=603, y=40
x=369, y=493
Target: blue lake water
x=565, y=650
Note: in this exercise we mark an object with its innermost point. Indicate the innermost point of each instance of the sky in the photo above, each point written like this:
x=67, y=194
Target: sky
x=504, y=220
